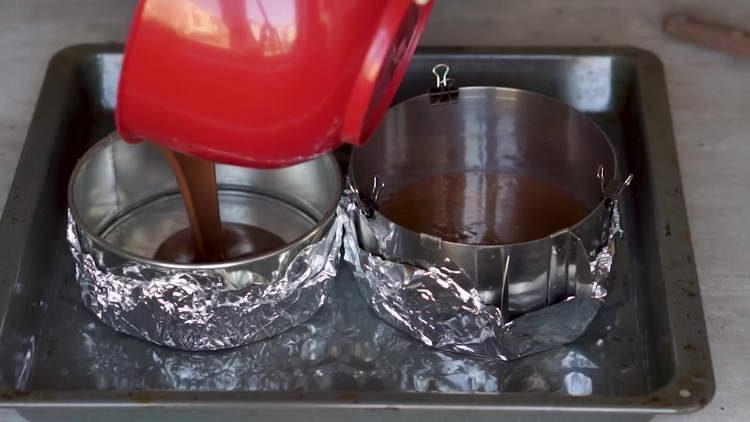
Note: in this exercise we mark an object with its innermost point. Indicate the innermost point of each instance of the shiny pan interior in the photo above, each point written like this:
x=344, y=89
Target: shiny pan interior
x=126, y=202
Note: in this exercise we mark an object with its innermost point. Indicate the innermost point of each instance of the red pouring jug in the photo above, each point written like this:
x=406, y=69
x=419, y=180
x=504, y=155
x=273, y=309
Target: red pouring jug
x=263, y=83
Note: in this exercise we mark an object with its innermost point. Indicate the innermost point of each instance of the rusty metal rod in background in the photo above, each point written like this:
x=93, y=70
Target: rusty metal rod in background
x=718, y=37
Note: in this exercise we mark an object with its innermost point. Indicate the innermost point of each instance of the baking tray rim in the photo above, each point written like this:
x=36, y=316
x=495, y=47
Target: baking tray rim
x=698, y=382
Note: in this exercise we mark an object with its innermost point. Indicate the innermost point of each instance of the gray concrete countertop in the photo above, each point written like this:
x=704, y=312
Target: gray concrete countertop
x=709, y=94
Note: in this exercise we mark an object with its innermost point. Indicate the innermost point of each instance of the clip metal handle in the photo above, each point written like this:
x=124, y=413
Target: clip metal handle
x=445, y=89
x=617, y=191
x=441, y=81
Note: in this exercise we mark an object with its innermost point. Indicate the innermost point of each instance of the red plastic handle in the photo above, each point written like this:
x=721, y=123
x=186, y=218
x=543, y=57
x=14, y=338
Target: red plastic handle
x=384, y=67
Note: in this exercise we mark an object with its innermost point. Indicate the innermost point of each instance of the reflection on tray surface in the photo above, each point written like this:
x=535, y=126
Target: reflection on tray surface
x=329, y=352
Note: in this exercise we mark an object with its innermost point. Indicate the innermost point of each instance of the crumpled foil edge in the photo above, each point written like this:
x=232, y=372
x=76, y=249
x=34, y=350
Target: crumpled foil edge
x=211, y=309
x=439, y=307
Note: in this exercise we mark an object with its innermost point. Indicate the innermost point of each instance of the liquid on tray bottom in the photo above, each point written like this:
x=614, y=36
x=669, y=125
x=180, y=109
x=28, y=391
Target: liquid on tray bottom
x=240, y=240
x=483, y=207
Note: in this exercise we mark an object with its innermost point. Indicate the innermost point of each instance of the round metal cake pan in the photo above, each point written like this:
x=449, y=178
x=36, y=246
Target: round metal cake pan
x=491, y=129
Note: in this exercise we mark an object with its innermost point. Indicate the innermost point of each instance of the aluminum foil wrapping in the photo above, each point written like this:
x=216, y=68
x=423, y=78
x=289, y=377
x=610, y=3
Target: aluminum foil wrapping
x=207, y=310
x=439, y=306
x=343, y=348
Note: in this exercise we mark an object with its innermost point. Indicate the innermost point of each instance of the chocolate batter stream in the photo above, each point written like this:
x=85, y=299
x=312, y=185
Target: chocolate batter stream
x=207, y=239
x=483, y=207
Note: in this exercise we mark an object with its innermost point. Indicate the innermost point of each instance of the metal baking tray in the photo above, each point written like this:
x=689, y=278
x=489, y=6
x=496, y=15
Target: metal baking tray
x=646, y=353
